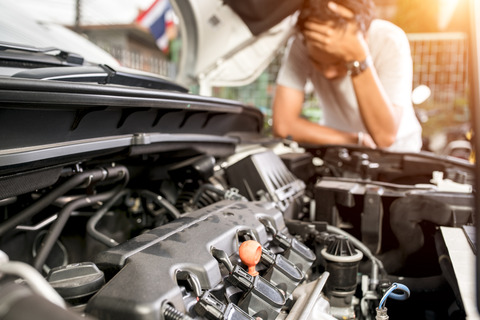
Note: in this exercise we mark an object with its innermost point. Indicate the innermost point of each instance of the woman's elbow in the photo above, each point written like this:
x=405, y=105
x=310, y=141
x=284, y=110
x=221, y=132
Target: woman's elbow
x=279, y=130
x=280, y=127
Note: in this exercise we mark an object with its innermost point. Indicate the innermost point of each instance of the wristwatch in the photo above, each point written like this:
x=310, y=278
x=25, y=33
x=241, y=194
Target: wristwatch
x=356, y=67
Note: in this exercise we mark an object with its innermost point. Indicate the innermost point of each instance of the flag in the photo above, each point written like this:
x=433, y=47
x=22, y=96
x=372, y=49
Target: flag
x=158, y=18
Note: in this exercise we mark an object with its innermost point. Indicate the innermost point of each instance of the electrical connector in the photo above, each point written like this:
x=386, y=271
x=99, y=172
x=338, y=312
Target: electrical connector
x=381, y=314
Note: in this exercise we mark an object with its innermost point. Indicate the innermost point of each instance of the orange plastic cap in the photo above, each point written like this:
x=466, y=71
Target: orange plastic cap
x=250, y=253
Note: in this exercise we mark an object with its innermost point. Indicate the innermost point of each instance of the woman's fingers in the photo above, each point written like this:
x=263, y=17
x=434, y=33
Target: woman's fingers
x=319, y=27
x=321, y=34
x=316, y=38
x=341, y=10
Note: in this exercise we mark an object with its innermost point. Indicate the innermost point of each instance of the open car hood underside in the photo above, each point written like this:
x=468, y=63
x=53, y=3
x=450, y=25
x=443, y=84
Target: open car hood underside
x=230, y=44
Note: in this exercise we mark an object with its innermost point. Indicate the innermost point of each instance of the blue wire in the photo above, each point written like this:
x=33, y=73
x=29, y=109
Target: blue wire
x=385, y=296
x=396, y=296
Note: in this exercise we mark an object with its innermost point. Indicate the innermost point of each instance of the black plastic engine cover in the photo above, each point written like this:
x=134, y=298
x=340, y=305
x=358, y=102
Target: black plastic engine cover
x=265, y=174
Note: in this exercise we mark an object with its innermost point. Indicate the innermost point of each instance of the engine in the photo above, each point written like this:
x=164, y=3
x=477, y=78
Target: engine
x=268, y=232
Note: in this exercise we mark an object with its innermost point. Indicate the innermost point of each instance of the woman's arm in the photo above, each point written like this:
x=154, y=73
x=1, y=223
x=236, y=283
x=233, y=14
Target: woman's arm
x=288, y=122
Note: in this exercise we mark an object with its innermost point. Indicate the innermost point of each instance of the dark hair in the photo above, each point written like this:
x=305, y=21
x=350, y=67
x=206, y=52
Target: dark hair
x=364, y=11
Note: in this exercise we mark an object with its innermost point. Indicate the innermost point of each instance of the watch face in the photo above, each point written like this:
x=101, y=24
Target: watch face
x=356, y=67
x=352, y=67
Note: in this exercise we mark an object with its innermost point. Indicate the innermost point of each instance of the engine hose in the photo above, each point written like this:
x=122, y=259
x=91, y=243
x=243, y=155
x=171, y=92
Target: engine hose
x=161, y=201
x=93, y=175
x=205, y=187
x=92, y=222
x=170, y=313
x=57, y=227
x=406, y=215
x=34, y=279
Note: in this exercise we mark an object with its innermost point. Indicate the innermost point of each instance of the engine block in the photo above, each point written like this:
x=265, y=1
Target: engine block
x=148, y=264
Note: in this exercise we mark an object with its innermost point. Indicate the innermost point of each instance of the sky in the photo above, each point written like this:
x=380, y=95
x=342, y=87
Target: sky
x=93, y=11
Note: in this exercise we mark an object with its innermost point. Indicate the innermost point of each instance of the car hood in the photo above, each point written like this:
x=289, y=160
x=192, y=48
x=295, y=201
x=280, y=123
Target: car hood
x=230, y=44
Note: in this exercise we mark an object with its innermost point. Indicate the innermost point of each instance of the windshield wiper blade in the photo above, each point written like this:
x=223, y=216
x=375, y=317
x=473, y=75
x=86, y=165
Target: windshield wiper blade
x=64, y=56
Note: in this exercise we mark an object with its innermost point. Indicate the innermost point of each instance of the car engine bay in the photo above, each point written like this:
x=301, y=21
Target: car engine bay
x=123, y=202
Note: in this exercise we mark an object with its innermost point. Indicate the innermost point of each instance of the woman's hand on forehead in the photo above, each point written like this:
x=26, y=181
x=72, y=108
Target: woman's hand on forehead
x=345, y=42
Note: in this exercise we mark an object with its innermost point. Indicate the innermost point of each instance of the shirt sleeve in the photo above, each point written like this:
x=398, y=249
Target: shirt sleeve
x=293, y=72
